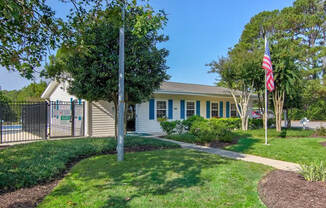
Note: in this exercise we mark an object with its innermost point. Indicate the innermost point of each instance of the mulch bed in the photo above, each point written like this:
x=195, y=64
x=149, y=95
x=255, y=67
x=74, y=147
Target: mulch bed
x=220, y=144
x=4, y=147
x=284, y=189
x=31, y=197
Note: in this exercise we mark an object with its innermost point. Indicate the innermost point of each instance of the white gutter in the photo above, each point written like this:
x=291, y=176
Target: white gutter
x=49, y=89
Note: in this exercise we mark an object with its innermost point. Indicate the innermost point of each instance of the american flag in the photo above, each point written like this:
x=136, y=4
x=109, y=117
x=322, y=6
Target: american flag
x=267, y=65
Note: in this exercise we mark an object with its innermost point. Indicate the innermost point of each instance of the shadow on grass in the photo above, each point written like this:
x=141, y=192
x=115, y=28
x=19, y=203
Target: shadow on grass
x=244, y=141
x=141, y=174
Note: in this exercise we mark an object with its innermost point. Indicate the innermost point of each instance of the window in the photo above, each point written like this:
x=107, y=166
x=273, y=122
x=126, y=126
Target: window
x=214, y=110
x=233, y=111
x=190, y=109
x=161, y=109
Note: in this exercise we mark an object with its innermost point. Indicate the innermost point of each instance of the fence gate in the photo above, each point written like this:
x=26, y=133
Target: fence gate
x=23, y=121
x=66, y=119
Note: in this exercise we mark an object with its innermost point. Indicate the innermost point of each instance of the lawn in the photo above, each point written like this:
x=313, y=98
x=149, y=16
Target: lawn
x=162, y=178
x=298, y=150
x=292, y=132
x=298, y=146
x=30, y=164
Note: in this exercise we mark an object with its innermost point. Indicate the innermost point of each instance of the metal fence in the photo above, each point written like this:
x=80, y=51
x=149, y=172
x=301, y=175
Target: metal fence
x=66, y=119
x=26, y=121
x=23, y=121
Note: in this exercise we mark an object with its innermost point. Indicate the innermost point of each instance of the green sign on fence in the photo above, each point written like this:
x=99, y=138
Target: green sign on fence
x=65, y=118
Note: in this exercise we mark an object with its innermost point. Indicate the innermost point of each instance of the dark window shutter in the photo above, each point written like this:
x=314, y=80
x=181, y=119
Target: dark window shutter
x=182, y=109
x=227, y=109
x=221, y=109
x=208, y=109
x=198, y=108
x=151, y=109
x=170, y=104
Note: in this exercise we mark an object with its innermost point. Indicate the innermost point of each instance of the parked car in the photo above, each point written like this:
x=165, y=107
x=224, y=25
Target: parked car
x=258, y=114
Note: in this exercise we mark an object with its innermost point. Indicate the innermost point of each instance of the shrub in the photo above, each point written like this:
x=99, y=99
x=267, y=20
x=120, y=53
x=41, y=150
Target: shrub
x=317, y=111
x=314, y=172
x=168, y=126
x=321, y=131
x=30, y=164
x=258, y=123
x=210, y=130
x=179, y=129
x=296, y=114
x=186, y=137
x=229, y=123
x=202, y=130
x=189, y=121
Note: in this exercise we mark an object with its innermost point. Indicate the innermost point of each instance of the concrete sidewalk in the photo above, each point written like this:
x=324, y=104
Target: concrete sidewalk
x=282, y=165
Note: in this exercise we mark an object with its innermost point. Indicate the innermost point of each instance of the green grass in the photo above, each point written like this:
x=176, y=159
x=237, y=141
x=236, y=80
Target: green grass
x=164, y=178
x=30, y=164
x=186, y=137
x=298, y=150
x=292, y=132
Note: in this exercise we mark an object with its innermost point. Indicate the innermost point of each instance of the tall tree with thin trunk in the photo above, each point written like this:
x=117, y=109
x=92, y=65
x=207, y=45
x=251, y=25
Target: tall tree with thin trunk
x=238, y=72
x=88, y=61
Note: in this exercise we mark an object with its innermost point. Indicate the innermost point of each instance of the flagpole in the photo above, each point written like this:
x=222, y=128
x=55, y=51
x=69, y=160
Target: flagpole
x=266, y=110
x=266, y=100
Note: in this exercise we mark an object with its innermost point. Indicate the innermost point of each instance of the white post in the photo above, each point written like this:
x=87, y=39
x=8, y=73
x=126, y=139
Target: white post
x=121, y=104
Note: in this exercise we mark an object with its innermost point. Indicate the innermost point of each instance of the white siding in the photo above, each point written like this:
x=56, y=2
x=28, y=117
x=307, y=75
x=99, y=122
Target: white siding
x=145, y=125
x=61, y=94
x=102, y=119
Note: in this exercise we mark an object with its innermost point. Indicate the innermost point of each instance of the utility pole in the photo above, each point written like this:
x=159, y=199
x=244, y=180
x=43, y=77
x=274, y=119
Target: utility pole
x=121, y=104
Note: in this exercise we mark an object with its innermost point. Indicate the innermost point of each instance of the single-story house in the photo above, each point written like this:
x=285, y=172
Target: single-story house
x=174, y=101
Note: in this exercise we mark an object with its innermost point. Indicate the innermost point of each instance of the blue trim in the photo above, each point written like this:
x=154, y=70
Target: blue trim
x=151, y=109
x=198, y=108
x=170, y=107
x=57, y=105
x=182, y=109
x=79, y=101
x=221, y=109
x=228, y=109
x=71, y=101
x=208, y=109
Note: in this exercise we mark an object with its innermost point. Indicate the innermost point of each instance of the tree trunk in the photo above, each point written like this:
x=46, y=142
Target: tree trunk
x=242, y=107
x=278, y=98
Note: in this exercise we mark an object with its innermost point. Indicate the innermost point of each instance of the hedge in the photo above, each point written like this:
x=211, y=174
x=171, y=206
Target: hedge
x=30, y=164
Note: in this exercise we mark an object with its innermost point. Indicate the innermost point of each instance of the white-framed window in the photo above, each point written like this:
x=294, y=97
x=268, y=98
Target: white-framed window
x=233, y=111
x=190, y=108
x=161, y=109
x=214, y=109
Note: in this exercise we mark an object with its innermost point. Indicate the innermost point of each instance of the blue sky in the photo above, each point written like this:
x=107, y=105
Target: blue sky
x=199, y=31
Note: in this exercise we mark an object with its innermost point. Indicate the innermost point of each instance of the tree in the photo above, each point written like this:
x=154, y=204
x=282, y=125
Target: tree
x=32, y=92
x=88, y=61
x=27, y=29
x=286, y=75
x=6, y=113
x=239, y=73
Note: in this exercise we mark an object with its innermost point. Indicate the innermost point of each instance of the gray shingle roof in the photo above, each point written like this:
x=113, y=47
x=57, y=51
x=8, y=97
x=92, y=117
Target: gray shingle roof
x=185, y=88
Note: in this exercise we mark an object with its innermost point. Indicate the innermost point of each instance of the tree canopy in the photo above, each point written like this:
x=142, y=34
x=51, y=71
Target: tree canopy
x=88, y=61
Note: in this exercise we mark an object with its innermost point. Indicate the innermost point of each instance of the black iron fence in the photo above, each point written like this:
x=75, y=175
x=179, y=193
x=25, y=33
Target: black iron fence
x=26, y=121
x=23, y=121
